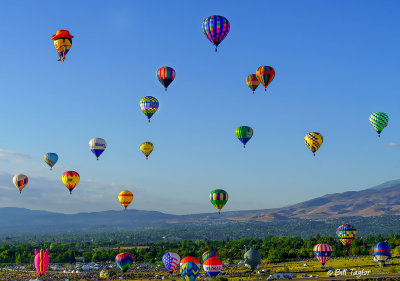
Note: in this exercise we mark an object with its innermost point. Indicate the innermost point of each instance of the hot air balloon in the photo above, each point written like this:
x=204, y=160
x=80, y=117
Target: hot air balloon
x=190, y=268
x=70, y=180
x=125, y=197
x=124, y=261
x=382, y=253
x=171, y=261
x=216, y=28
x=146, y=148
x=62, y=42
x=108, y=273
x=265, y=74
x=379, y=121
x=97, y=146
x=218, y=198
x=212, y=266
x=208, y=254
x=346, y=234
x=313, y=141
x=252, y=82
x=149, y=106
x=252, y=258
x=20, y=181
x=322, y=252
x=51, y=159
x=41, y=261
x=166, y=75
x=244, y=134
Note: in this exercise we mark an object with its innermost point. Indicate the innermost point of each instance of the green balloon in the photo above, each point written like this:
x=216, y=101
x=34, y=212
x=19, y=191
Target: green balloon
x=379, y=121
x=244, y=134
x=252, y=258
x=218, y=198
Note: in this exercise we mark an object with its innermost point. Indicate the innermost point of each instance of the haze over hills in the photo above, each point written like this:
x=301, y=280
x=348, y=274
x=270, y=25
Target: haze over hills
x=381, y=200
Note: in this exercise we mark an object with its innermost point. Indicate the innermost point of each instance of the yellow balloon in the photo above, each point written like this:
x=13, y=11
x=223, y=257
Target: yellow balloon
x=313, y=141
x=70, y=180
x=146, y=148
x=125, y=197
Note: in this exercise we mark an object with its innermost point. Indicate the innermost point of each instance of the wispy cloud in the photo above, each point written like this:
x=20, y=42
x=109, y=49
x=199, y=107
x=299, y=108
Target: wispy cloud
x=10, y=155
x=392, y=144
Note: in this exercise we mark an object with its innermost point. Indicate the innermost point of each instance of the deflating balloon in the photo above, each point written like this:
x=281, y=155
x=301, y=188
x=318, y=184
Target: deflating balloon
x=125, y=197
x=41, y=261
x=166, y=75
x=190, y=270
x=216, y=28
x=171, y=261
x=379, y=121
x=97, y=146
x=70, y=180
x=346, y=234
x=146, y=148
x=20, y=181
x=149, y=106
x=322, y=252
x=62, y=42
x=212, y=266
x=124, y=261
x=265, y=74
x=218, y=198
x=208, y=254
x=252, y=82
x=108, y=273
x=313, y=141
x=244, y=134
x=382, y=253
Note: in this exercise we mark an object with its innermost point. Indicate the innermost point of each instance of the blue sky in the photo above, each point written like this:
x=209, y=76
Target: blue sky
x=336, y=62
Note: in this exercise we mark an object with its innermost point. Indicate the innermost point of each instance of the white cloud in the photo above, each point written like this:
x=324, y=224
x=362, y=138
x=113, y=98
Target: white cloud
x=392, y=144
x=9, y=155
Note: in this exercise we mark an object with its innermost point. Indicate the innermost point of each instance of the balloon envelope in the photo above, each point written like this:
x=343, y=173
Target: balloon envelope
x=382, y=252
x=212, y=266
x=108, y=273
x=346, y=234
x=252, y=258
x=252, y=82
x=379, y=121
x=218, y=197
x=216, y=28
x=265, y=74
x=124, y=261
x=166, y=75
x=190, y=270
x=322, y=252
x=171, y=261
x=125, y=197
x=244, y=134
x=41, y=261
x=62, y=43
x=313, y=141
x=97, y=146
x=149, y=106
x=146, y=148
x=208, y=254
x=70, y=180
x=51, y=159
x=20, y=181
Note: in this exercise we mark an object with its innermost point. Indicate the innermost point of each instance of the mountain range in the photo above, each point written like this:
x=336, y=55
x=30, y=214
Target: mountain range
x=378, y=201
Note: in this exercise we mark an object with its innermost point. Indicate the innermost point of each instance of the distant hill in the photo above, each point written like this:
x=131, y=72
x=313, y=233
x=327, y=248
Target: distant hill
x=382, y=200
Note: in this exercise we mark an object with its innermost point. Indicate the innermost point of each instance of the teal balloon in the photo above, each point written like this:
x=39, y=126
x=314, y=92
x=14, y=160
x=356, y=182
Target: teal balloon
x=252, y=258
x=51, y=159
x=190, y=271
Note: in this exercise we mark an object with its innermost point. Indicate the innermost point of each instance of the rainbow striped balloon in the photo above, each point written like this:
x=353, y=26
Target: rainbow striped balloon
x=216, y=28
x=124, y=261
x=166, y=75
x=51, y=159
x=252, y=82
x=265, y=74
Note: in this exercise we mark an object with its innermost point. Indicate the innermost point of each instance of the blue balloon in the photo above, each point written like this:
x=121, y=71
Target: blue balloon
x=51, y=159
x=190, y=271
x=382, y=253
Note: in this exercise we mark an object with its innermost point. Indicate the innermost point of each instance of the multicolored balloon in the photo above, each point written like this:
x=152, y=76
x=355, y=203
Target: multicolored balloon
x=212, y=266
x=265, y=74
x=313, y=141
x=346, y=234
x=149, y=106
x=252, y=82
x=244, y=134
x=218, y=198
x=382, y=253
x=208, y=254
x=379, y=121
x=70, y=180
x=62, y=43
x=124, y=261
x=166, y=75
x=171, y=261
x=322, y=252
x=108, y=273
x=190, y=269
x=216, y=28
x=125, y=197
x=97, y=146
x=146, y=148
x=41, y=261
x=20, y=181
x=51, y=159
